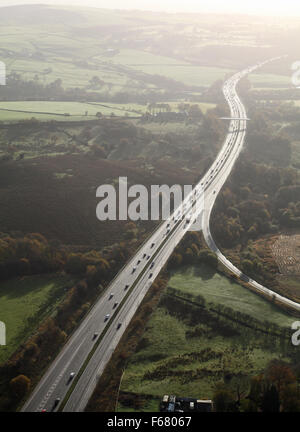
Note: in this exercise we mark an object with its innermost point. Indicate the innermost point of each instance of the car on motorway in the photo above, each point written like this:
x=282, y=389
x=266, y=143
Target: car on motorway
x=119, y=325
x=152, y=265
x=126, y=287
x=115, y=305
x=56, y=402
x=144, y=256
x=148, y=257
x=139, y=262
x=152, y=245
x=150, y=275
x=245, y=278
x=95, y=336
x=71, y=376
x=133, y=270
x=106, y=317
x=111, y=296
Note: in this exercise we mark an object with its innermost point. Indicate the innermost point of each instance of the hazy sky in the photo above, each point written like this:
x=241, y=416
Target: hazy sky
x=265, y=7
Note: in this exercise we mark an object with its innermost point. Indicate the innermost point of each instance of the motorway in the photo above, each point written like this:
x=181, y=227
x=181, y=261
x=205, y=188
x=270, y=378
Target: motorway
x=98, y=334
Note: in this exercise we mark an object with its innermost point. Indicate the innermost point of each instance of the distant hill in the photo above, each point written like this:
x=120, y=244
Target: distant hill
x=39, y=14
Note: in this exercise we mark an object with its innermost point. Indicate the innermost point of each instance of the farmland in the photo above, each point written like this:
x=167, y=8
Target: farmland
x=219, y=290
x=24, y=303
x=126, y=61
x=185, y=346
x=270, y=81
x=45, y=110
x=75, y=111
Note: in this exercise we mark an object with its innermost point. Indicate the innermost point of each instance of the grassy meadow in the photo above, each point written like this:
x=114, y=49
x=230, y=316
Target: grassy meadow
x=187, y=349
x=24, y=302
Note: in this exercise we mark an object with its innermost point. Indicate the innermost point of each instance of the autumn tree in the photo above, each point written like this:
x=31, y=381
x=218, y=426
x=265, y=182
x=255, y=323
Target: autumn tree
x=280, y=374
x=223, y=399
x=19, y=386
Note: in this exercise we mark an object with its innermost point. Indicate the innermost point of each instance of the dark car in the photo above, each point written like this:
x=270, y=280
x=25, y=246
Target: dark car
x=56, y=402
x=245, y=278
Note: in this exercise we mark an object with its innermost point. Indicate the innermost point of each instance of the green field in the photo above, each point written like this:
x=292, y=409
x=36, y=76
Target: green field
x=204, y=106
x=189, y=74
x=220, y=290
x=23, y=304
x=166, y=344
x=74, y=111
x=71, y=74
x=269, y=81
x=74, y=75
x=45, y=110
x=132, y=57
x=184, y=352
